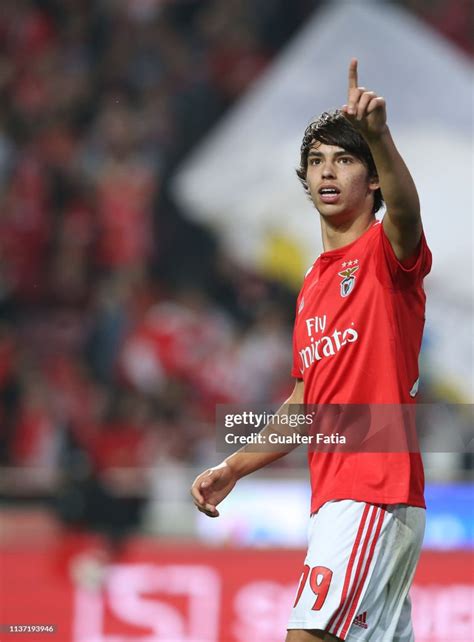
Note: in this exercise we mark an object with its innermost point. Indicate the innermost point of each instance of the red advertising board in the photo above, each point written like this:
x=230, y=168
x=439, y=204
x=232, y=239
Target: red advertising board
x=160, y=593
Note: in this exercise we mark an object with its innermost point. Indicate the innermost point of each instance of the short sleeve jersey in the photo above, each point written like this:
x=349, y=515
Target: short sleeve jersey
x=357, y=336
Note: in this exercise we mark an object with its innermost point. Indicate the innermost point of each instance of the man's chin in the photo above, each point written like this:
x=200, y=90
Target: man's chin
x=337, y=216
x=329, y=211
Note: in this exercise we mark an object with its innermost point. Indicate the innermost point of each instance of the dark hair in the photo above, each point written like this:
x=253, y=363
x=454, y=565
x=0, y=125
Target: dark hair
x=333, y=128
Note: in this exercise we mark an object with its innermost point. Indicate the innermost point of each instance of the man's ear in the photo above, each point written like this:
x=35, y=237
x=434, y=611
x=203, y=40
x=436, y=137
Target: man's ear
x=374, y=183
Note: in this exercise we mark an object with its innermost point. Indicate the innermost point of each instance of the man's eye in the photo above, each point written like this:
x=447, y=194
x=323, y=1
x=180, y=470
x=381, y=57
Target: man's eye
x=345, y=159
x=314, y=161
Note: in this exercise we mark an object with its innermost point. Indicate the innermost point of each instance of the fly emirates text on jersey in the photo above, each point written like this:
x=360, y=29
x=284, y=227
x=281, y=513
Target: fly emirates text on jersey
x=324, y=346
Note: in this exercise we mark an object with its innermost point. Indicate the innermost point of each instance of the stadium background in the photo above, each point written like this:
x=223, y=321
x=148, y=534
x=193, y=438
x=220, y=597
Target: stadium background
x=132, y=300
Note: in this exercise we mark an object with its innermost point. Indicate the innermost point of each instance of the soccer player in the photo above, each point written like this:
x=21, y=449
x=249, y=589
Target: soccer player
x=357, y=335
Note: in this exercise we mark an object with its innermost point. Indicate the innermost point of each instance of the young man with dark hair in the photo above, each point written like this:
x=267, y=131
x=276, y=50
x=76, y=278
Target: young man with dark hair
x=358, y=330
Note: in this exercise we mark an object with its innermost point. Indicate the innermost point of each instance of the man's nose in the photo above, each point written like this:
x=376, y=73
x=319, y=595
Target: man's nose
x=328, y=170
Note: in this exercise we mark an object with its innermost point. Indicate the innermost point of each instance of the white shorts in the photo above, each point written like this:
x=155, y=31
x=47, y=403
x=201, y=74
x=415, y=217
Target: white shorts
x=359, y=567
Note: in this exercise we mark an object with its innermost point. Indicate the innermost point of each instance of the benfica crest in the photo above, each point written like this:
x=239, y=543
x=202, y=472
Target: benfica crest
x=348, y=280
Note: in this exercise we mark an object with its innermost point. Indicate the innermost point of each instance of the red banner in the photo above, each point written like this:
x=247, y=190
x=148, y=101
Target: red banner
x=160, y=593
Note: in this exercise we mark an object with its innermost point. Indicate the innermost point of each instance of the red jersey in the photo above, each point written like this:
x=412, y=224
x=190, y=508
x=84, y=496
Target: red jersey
x=357, y=336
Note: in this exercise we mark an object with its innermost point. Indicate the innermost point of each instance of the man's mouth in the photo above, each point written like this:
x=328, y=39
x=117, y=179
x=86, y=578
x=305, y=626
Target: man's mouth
x=329, y=194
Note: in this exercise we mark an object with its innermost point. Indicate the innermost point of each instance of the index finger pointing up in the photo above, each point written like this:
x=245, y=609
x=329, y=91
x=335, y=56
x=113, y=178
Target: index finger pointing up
x=353, y=81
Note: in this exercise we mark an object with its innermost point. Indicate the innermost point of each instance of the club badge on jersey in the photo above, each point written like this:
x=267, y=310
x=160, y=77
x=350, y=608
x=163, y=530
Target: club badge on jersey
x=348, y=278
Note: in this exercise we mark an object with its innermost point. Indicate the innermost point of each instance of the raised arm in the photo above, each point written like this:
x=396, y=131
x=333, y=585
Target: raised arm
x=367, y=113
x=213, y=485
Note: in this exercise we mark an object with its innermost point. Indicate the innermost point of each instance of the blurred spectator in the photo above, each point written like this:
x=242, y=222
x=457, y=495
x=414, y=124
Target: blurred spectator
x=36, y=442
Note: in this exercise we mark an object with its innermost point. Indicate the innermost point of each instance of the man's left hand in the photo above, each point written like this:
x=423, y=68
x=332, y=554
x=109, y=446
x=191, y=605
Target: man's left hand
x=365, y=110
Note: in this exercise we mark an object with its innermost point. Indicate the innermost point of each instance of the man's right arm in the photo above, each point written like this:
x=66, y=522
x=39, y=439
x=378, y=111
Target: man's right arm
x=213, y=485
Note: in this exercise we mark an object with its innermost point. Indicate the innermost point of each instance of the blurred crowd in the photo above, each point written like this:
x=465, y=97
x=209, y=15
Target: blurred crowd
x=122, y=323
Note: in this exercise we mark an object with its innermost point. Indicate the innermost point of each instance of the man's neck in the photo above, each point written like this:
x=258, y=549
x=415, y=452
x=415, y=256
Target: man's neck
x=337, y=234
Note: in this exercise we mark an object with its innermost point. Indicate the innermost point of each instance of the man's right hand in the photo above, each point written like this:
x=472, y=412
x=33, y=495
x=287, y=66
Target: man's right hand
x=211, y=487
